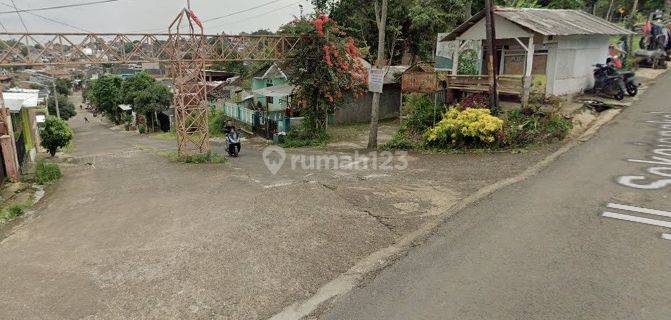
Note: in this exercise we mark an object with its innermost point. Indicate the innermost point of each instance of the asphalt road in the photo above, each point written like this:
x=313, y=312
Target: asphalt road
x=543, y=248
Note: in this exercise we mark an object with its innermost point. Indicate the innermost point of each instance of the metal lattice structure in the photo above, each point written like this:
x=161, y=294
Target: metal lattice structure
x=186, y=53
x=70, y=49
x=189, y=90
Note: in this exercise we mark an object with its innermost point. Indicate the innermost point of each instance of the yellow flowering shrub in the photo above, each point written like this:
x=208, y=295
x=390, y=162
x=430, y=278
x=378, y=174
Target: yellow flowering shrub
x=471, y=125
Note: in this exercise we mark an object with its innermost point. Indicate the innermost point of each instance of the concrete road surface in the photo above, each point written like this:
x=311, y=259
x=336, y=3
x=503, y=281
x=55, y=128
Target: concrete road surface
x=588, y=238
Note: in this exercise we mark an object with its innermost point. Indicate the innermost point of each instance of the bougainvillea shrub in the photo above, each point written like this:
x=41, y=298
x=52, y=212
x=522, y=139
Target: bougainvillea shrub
x=326, y=66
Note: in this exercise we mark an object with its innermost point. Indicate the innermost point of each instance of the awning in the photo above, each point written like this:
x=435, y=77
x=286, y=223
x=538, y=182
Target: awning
x=125, y=107
x=279, y=91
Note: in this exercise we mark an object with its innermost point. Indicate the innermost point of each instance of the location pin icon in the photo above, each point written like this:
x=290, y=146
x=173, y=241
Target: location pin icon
x=274, y=163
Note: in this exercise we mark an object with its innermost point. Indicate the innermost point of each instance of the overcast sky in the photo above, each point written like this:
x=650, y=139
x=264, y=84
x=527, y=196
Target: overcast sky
x=152, y=15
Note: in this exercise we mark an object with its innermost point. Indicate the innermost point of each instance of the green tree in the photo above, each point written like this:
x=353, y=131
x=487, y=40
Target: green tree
x=412, y=25
x=63, y=86
x=65, y=107
x=146, y=95
x=105, y=94
x=56, y=134
x=325, y=66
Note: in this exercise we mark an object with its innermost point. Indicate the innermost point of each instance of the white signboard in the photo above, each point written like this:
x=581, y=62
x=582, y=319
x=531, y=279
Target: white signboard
x=375, y=80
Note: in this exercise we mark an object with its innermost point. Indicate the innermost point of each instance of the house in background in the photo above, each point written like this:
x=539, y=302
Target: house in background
x=559, y=47
x=271, y=77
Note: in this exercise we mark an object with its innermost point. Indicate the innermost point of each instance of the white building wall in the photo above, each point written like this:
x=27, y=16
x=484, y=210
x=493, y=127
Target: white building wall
x=575, y=57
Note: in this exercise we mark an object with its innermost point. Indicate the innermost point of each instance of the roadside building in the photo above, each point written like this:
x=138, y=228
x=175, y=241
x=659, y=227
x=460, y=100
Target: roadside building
x=273, y=76
x=555, y=49
x=19, y=134
x=358, y=109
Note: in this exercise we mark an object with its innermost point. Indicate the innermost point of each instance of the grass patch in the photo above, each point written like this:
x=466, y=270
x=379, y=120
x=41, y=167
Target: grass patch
x=167, y=136
x=299, y=139
x=12, y=212
x=46, y=173
x=208, y=157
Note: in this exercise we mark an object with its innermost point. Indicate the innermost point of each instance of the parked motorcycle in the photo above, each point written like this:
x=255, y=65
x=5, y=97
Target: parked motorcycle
x=609, y=84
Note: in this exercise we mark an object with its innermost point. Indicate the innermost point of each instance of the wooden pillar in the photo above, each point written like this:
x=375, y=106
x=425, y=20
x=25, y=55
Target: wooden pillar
x=491, y=55
x=527, y=71
x=9, y=156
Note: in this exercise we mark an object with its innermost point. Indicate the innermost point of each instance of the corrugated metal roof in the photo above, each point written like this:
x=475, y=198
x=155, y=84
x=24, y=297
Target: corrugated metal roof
x=548, y=22
x=560, y=22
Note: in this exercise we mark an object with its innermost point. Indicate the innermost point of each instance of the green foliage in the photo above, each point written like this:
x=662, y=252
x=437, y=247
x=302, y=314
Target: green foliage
x=12, y=212
x=208, y=157
x=65, y=107
x=299, y=138
x=421, y=113
x=105, y=93
x=325, y=67
x=217, y=122
x=145, y=94
x=465, y=128
x=63, y=86
x=468, y=62
x=46, y=173
x=142, y=128
x=411, y=24
x=523, y=130
x=399, y=141
x=56, y=134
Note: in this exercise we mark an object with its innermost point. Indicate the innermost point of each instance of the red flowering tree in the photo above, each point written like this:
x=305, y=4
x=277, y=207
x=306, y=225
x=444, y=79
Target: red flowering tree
x=326, y=67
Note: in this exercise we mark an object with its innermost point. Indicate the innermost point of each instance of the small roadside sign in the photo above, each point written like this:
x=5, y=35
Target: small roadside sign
x=375, y=80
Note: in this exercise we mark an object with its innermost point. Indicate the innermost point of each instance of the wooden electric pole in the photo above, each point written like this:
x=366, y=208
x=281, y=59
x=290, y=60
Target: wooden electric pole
x=58, y=111
x=491, y=55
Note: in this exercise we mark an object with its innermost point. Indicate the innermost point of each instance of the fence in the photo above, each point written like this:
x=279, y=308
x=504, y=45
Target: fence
x=239, y=113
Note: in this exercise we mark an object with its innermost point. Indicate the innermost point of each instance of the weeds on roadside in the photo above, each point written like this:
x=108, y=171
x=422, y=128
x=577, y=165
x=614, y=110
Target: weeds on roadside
x=11, y=212
x=208, y=157
x=46, y=173
x=299, y=138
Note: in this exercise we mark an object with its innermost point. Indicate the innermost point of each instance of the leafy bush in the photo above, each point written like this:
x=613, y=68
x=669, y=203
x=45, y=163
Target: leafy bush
x=217, y=122
x=468, y=62
x=65, y=108
x=56, y=134
x=477, y=100
x=301, y=138
x=471, y=126
x=399, y=141
x=523, y=128
x=46, y=173
x=420, y=113
x=142, y=128
x=12, y=212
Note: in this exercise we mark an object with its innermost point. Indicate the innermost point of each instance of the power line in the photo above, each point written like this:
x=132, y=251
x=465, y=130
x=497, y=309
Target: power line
x=20, y=16
x=49, y=19
x=255, y=16
x=242, y=11
x=61, y=6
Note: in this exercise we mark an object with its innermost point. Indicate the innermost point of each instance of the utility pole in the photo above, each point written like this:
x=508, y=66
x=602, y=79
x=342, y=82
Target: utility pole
x=58, y=111
x=491, y=55
x=381, y=21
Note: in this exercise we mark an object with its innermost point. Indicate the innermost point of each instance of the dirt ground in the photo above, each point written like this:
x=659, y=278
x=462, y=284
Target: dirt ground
x=129, y=234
